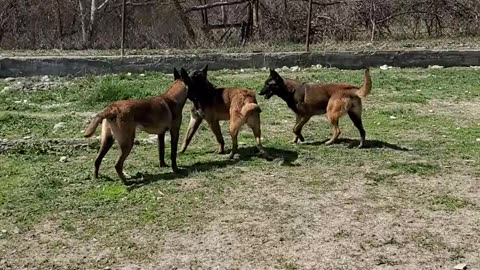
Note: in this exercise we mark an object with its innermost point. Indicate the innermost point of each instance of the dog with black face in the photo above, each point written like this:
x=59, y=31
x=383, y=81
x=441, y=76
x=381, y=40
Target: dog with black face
x=215, y=104
x=309, y=99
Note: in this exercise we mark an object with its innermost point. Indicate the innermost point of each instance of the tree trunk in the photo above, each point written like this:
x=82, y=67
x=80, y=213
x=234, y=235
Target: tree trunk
x=185, y=21
x=83, y=22
x=58, y=15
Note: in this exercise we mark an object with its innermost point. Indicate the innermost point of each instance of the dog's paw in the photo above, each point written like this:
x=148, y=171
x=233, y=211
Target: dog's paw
x=164, y=165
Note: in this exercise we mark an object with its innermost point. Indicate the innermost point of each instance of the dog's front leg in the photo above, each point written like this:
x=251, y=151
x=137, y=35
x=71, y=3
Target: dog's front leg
x=297, y=129
x=174, y=134
x=195, y=121
x=217, y=131
x=161, y=149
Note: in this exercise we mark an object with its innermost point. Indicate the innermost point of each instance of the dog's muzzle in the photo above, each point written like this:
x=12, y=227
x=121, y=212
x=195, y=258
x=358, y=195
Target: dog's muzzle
x=267, y=93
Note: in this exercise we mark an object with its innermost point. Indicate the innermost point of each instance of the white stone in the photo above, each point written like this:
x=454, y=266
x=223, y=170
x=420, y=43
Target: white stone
x=435, y=66
x=385, y=67
x=63, y=159
x=295, y=68
x=59, y=126
x=460, y=266
x=393, y=117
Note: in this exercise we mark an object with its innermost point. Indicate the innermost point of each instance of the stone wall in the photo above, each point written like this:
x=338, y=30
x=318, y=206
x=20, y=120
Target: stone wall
x=81, y=65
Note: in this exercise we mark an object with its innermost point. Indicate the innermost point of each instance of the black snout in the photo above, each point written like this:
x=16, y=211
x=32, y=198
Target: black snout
x=267, y=92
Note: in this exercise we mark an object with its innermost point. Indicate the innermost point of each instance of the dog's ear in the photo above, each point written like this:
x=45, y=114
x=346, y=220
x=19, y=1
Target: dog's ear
x=176, y=75
x=205, y=70
x=184, y=75
x=275, y=76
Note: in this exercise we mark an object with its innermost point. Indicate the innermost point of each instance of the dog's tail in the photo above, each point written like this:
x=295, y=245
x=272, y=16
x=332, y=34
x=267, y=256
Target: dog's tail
x=109, y=112
x=367, y=85
x=248, y=108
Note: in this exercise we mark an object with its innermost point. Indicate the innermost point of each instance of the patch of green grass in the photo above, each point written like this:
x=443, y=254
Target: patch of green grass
x=14, y=125
x=376, y=178
x=448, y=203
x=414, y=168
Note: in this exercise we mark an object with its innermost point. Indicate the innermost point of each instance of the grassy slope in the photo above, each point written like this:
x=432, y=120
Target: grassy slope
x=408, y=192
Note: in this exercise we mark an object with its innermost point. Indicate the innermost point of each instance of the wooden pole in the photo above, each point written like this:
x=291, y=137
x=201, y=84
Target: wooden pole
x=123, y=29
x=309, y=24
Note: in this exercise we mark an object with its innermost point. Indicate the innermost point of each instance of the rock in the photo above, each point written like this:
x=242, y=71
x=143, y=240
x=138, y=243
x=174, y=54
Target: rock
x=242, y=70
x=385, y=67
x=435, y=66
x=129, y=74
x=478, y=140
x=4, y=231
x=142, y=75
x=9, y=79
x=393, y=117
x=460, y=266
x=59, y=126
x=285, y=68
x=6, y=89
x=295, y=68
x=27, y=137
x=264, y=69
x=63, y=159
x=45, y=78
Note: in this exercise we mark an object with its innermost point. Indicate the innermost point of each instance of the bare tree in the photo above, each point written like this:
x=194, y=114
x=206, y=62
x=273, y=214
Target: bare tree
x=89, y=18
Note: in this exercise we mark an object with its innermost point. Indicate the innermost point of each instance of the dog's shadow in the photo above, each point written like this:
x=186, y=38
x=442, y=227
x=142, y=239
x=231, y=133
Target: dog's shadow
x=369, y=144
x=245, y=154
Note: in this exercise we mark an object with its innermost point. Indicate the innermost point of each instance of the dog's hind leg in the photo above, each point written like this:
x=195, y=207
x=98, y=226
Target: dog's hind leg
x=125, y=137
x=106, y=143
x=254, y=123
x=355, y=114
x=335, y=110
x=195, y=122
x=235, y=124
x=297, y=129
x=161, y=149
x=217, y=131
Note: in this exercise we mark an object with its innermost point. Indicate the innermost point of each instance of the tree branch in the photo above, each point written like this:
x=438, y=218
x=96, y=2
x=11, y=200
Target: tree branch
x=102, y=5
x=134, y=4
x=207, y=6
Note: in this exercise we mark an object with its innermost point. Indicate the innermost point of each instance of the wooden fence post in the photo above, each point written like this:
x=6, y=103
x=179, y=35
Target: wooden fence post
x=309, y=24
x=122, y=45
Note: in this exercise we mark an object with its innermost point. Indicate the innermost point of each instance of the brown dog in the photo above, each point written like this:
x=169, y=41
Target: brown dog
x=218, y=104
x=154, y=115
x=309, y=99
